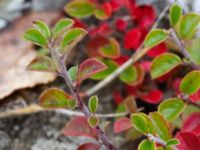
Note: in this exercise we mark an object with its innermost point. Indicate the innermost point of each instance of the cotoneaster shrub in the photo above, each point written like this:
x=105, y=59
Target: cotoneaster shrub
x=172, y=60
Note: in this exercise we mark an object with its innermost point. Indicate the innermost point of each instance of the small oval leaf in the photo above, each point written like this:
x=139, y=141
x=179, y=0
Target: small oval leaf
x=122, y=124
x=139, y=123
x=61, y=26
x=172, y=142
x=111, y=49
x=155, y=37
x=188, y=25
x=90, y=67
x=54, y=98
x=72, y=37
x=73, y=71
x=43, y=63
x=164, y=63
x=79, y=9
x=93, y=104
x=129, y=75
x=171, y=108
x=43, y=28
x=147, y=145
x=93, y=121
x=35, y=36
x=175, y=14
x=111, y=67
x=160, y=125
x=191, y=82
x=193, y=49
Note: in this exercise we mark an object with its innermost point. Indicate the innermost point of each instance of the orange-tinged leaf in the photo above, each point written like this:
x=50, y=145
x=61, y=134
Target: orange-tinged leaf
x=122, y=124
x=43, y=63
x=78, y=126
x=90, y=67
x=111, y=49
x=54, y=98
x=89, y=146
x=130, y=104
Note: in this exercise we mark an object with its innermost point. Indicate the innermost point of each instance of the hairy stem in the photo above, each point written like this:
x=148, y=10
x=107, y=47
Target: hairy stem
x=134, y=58
x=81, y=106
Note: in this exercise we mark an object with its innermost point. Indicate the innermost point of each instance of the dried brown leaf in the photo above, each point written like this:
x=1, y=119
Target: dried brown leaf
x=16, y=54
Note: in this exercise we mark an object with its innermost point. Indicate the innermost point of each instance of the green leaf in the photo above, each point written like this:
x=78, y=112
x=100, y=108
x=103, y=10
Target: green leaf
x=175, y=14
x=43, y=63
x=111, y=67
x=171, y=108
x=73, y=72
x=93, y=104
x=160, y=125
x=72, y=37
x=155, y=37
x=72, y=104
x=147, y=145
x=89, y=67
x=191, y=82
x=193, y=48
x=129, y=75
x=54, y=98
x=172, y=142
x=101, y=14
x=80, y=9
x=43, y=28
x=164, y=63
x=62, y=26
x=149, y=123
x=35, y=36
x=188, y=24
x=110, y=50
x=93, y=121
x=139, y=123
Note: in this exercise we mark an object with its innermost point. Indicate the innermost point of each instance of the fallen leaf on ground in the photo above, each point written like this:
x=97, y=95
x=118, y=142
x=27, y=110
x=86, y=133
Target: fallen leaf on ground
x=15, y=55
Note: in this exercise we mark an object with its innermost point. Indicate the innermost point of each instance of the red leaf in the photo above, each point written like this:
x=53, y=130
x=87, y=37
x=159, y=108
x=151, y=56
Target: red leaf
x=90, y=67
x=121, y=24
x=176, y=84
x=116, y=4
x=122, y=124
x=89, y=146
x=107, y=9
x=146, y=65
x=117, y=97
x=131, y=90
x=93, y=45
x=144, y=15
x=134, y=37
x=157, y=50
x=102, y=30
x=79, y=24
x=192, y=124
x=121, y=60
x=195, y=97
x=78, y=126
x=153, y=97
x=129, y=4
x=188, y=141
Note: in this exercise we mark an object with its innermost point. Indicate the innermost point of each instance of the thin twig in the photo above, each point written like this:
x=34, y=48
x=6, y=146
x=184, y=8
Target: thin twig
x=156, y=140
x=134, y=58
x=33, y=108
x=81, y=106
